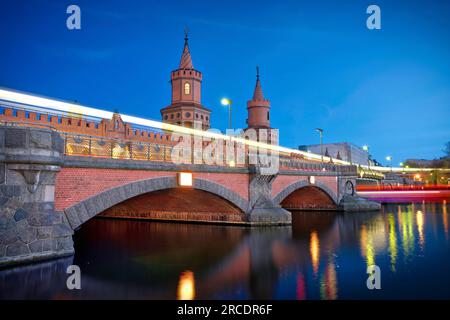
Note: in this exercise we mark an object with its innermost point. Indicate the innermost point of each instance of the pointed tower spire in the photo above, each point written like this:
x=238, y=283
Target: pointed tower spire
x=258, y=93
x=186, y=108
x=186, y=60
x=258, y=108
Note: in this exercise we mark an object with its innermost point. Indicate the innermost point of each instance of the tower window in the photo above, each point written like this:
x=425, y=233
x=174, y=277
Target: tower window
x=187, y=88
x=268, y=118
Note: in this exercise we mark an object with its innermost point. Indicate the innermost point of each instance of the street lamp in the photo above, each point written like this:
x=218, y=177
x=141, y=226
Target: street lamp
x=366, y=149
x=389, y=159
x=320, y=131
x=227, y=102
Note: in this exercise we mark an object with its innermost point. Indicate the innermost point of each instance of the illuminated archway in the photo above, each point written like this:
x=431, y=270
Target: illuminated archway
x=88, y=208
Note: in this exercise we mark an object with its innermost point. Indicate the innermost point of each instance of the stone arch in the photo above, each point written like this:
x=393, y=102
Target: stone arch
x=301, y=184
x=90, y=207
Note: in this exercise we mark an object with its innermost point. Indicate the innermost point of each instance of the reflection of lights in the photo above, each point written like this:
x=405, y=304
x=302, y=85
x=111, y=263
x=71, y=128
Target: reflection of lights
x=406, y=221
x=419, y=222
x=367, y=246
x=392, y=241
x=314, y=249
x=445, y=217
x=328, y=283
x=186, y=286
x=301, y=290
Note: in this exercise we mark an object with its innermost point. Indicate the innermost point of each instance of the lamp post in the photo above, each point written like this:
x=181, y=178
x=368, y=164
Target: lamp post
x=389, y=159
x=403, y=166
x=366, y=148
x=227, y=102
x=320, y=130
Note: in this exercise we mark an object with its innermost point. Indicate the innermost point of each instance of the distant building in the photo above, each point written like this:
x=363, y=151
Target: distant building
x=419, y=163
x=342, y=150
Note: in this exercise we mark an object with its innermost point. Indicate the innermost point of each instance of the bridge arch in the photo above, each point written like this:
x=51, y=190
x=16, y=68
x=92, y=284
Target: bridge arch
x=299, y=185
x=90, y=207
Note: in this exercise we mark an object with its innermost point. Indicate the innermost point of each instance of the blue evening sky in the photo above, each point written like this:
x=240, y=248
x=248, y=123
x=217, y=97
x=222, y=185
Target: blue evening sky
x=320, y=65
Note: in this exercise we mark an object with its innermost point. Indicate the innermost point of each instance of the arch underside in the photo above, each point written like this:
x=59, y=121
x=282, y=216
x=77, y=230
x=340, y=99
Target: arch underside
x=304, y=196
x=183, y=204
x=158, y=197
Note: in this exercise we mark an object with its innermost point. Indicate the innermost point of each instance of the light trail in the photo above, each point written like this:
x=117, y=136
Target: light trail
x=34, y=101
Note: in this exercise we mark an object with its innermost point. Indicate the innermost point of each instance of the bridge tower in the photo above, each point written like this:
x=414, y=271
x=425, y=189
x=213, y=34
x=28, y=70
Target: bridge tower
x=258, y=108
x=186, y=108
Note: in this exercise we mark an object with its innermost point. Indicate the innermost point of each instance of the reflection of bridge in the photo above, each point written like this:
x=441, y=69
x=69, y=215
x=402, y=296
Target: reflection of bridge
x=252, y=259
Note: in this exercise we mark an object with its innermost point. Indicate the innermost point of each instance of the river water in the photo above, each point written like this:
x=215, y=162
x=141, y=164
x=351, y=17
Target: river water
x=321, y=256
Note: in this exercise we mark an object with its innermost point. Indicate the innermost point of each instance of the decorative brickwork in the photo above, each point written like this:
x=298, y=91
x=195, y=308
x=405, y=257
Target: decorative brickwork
x=98, y=203
x=110, y=128
x=74, y=185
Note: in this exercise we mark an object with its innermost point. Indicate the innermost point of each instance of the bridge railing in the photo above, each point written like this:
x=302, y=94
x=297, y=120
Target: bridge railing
x=81, y=145
x=294, y=163
x=101, y=147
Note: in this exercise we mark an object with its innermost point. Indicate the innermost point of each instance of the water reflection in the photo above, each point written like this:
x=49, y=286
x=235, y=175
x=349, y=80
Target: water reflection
x=419, y=223
x=322, y=256
x=392, y=241
x=186, y=286
x=445, y=218
x=314, y=248
x=328, y=283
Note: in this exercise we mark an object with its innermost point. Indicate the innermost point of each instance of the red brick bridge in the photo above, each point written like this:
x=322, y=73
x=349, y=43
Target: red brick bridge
x=87, y=187
x=51, y=183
